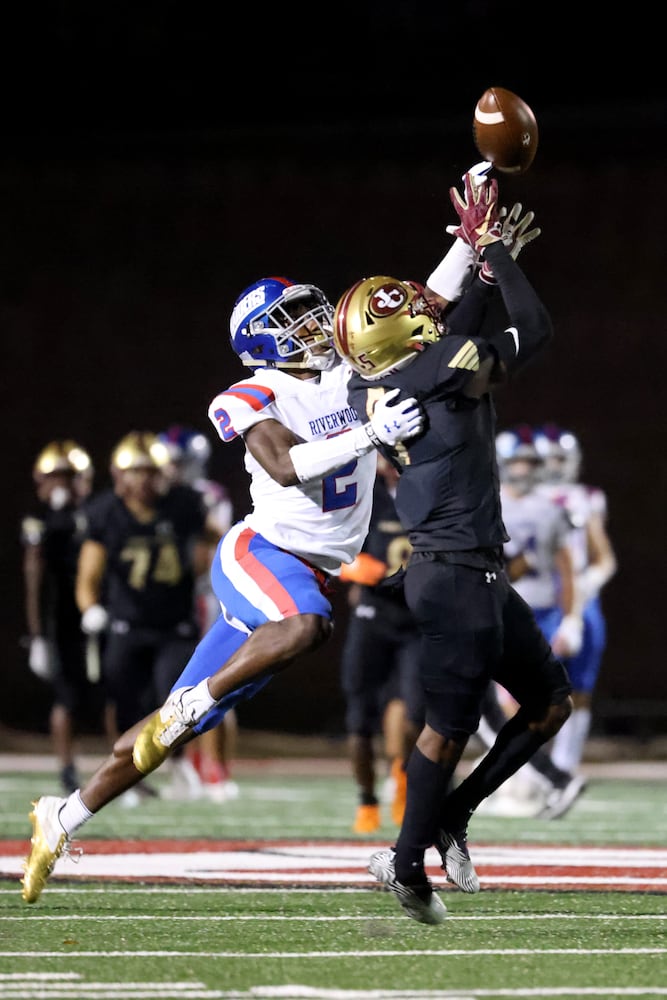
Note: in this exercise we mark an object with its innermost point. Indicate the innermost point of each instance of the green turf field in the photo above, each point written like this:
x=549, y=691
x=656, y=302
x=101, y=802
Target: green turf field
x=346, y=939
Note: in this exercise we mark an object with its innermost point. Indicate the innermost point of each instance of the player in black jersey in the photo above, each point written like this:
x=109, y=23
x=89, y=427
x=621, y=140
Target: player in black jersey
x=143, y=545
x=51, y=534
x=379, y=661
x=474, y=625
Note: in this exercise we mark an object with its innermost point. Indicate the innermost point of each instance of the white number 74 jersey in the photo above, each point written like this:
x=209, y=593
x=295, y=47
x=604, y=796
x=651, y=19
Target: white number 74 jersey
x=325, y=521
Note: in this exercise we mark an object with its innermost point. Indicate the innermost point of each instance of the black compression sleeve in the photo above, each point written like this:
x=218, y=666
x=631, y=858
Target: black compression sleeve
x=467, y=316
x=526, y=311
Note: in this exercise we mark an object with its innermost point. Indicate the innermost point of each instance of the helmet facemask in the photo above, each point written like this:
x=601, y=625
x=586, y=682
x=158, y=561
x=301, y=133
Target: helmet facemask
x=561, y=454
x=519, y=461
x=521, y=474
x=294, y=331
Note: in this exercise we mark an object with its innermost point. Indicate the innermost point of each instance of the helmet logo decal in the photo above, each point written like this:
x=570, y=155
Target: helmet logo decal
x=251, y=301
x=387, y=299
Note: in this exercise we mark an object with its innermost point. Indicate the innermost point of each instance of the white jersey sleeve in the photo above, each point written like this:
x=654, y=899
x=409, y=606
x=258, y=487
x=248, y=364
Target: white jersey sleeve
x=324, y=521
x=580, y=503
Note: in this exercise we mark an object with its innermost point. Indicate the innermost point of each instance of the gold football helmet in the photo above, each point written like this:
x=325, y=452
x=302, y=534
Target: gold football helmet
x=139, y=450
x=381, y=324
x=61, y=456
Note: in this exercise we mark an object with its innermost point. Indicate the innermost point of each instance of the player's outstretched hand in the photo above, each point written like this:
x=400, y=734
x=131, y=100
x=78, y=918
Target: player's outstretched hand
x=515, y=232
x=478, y=212
x=395, y=421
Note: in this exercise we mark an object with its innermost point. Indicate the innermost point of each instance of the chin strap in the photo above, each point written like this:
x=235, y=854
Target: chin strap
x=320, y=362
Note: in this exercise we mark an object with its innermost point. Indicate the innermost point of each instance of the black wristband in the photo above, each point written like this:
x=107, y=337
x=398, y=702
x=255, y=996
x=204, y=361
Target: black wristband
x=372, y=435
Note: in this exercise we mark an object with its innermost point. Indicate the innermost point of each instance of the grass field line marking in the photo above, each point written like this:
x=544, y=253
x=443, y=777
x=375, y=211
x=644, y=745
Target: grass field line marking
x=109, y=991
x=100, y=984
x=218, y=918
x=408, y=952
x=293, y=990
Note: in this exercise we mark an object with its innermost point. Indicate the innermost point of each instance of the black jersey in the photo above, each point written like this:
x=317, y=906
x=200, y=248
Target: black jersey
x=448, y=495
x=149, y=579
x=59, y=534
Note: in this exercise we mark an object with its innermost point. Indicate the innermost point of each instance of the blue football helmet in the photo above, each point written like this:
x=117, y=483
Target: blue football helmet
x=276, y=323
x=189, y=450
x=518, y=446
x=561, y=453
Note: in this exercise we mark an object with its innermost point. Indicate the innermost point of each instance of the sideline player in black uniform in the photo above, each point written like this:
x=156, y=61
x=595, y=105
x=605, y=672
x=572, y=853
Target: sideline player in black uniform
x=474, y=625
x=144, y=544
x=51, y=535
x=380, y=660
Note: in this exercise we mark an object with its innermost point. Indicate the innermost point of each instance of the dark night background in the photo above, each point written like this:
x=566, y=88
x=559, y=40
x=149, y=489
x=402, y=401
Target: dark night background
x=156, y=159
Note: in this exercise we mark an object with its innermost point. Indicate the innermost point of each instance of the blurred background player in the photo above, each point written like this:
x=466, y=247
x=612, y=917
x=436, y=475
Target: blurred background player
x=213, y=752
x=51, y=535
x=540, y=567
x=380, y=658
x=143, y=546
x=595, y=563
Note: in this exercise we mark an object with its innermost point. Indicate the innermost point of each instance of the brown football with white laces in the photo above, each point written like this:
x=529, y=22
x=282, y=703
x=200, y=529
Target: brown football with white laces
x=505, y=130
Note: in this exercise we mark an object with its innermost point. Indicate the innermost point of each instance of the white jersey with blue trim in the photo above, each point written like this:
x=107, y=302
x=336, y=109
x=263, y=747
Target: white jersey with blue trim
x=537, y=529
x=326, y=520
x=580, y=503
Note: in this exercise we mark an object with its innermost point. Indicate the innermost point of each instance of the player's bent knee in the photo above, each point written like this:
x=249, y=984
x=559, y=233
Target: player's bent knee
x=307, y=632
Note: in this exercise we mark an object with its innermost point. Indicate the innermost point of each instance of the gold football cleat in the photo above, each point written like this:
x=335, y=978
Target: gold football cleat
x=161, y=734
x=148, y=752
x=171, y=726
x=48, y=842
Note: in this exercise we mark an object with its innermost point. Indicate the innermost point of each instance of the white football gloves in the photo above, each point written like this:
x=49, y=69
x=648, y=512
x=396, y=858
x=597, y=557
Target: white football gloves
x=568, y=637
x=40, y=660
x=392, y=423
x=94, y=620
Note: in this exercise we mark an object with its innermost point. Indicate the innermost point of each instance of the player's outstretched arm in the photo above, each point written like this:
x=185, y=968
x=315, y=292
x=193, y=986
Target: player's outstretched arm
x=290, y=461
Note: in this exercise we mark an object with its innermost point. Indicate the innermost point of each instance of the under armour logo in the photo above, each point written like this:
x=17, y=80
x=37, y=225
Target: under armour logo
x=490, y=577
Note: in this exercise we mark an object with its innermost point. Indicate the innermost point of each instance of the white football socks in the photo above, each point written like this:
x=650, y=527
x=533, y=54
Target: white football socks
x=568, y=746
x=73, y=814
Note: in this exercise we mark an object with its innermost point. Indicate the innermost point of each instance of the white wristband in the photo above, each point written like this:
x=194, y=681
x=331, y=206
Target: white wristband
x=316, y=459
x=454, y=272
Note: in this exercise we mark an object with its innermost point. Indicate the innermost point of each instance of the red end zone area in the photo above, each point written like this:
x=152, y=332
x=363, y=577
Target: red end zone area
x=343, y=863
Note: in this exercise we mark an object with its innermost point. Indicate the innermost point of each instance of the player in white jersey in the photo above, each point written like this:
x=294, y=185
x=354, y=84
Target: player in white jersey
x=539, y=560
x=594, y=563
x=539, y=564
x=312, y=464
x=323, y=519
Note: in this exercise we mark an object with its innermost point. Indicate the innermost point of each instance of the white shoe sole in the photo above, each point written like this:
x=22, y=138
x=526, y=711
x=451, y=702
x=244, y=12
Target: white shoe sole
x=433, y=911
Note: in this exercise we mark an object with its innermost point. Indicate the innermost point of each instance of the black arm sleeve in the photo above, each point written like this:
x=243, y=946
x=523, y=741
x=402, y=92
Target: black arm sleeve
x=526, y=311
x=467, y=316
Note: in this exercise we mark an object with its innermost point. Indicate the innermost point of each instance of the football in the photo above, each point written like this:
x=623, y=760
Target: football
x=504, y=130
